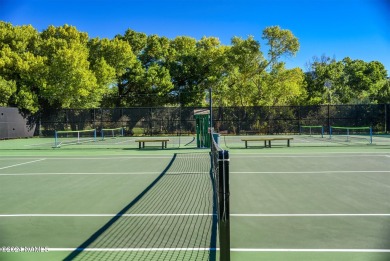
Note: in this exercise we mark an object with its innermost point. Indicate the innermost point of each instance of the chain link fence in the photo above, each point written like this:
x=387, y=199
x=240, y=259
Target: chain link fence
x=227, y=120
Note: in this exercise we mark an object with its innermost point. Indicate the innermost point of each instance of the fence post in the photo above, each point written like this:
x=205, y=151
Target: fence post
x=299, y=119
x=385, y=118
x=329, y=117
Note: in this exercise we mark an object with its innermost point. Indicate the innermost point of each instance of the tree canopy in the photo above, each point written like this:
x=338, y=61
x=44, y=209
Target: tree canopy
x=62, y=67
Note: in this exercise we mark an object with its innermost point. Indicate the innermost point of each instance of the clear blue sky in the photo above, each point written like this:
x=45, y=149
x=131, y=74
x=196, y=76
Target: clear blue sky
x=359, y=29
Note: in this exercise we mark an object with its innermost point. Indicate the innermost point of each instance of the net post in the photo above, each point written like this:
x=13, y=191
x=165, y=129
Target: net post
x=94, y=135
x=330, y=132
x=322, y=131
x=224, y=209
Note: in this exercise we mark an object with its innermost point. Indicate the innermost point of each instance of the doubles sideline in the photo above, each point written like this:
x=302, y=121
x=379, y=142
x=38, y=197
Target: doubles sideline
x=200, y=214
x=216, y=249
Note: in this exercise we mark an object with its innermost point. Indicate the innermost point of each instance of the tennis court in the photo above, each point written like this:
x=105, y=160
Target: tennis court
x=314, y=200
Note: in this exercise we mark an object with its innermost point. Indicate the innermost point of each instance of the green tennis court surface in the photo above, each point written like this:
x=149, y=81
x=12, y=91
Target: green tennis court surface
x=315, y=200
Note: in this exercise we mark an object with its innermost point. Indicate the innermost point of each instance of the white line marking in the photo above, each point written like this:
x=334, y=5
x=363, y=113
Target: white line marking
x=110, y=215
x=303, y=156
x=318, y=153
x=15, y=165
x=216, y=249
x=85, y=173
x=126, y=141
x=310, y=172
x=132, y=249
x=92, y=158
x=195, y=214
x=97, y=173
x=308, y=250
x=114, y=158
x=311, y=215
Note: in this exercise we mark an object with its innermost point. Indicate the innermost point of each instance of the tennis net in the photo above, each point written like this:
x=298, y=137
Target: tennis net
x=312, y=131
x=220, y=175
x=62, y=138
x=173, y=218
x=351, y=134
x=112, y=133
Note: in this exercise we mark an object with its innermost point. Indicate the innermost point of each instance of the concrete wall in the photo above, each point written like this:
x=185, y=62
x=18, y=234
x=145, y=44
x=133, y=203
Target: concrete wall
x=14, y=125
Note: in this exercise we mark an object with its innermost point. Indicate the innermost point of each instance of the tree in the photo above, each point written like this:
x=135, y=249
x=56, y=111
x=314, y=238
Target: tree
x=7, y=89
x=195, y=66
x=362, y=78
x=136, y=40
x=70, y=82
x=146, y=81
x=283, y=87
x=245, y=68
x=254, y=80
x=382, y=94
x=110, y=60
x=346, y=81
x=22, y=70
x=281, y=42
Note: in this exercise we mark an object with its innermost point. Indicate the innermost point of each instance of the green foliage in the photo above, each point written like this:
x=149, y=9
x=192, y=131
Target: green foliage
x=248, y=80
x=281, y=42
x=7, y=89
x=62, y=67
x=346, y=81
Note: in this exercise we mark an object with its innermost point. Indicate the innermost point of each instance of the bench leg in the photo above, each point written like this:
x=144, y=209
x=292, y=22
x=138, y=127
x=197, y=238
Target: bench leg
x=139, y=145
x=288, y=143
x=246, y=144
x=265, y=144
x=269, y=143
x=143, y=144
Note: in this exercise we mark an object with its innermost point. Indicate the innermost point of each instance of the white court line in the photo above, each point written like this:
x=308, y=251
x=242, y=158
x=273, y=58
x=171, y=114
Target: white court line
x=98, y=173
x=309, y=250
x=311, y=215
x=124, y=141
x=310, y=172
x=80, y=173
x=15, y=165
x=196, y=215
x=304, y=156
x=216, y=249
x=132, y=249
x=111, y=158
x=110, y=215
x=91, y=158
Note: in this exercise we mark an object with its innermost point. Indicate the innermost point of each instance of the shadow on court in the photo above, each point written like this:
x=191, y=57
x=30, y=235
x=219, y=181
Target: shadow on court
x=172, y=219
